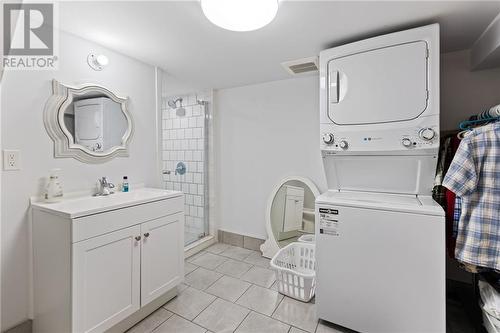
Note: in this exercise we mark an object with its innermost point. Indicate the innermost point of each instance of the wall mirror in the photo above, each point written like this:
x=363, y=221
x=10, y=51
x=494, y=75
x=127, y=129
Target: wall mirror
x=290, y=213
x=89, y=123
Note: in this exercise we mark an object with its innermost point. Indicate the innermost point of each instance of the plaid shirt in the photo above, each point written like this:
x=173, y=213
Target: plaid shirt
x=457, y=211
x=474, y=175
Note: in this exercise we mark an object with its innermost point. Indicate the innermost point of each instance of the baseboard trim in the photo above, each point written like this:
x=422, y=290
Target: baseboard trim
x=247, y=242
x=24, y=327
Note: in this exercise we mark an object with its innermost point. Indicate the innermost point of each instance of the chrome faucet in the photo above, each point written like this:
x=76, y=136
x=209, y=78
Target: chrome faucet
x=104, y=187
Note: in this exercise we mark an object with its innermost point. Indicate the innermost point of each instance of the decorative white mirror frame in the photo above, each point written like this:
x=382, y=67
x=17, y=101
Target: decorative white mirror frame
x=53, y=117
x=270, y=246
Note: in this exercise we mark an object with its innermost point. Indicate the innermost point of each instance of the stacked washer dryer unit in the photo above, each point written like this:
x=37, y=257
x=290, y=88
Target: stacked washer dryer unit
x=380, y=238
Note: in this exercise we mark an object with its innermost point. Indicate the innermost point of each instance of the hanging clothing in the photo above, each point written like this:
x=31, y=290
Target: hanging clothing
x=449, y=213
x=441, y=166
x=456, y=215
x=474, y=175
x=441, y=194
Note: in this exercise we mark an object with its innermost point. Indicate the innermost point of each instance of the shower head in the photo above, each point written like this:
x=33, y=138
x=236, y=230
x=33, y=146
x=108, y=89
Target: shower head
x=173, y=103
x=179, y=111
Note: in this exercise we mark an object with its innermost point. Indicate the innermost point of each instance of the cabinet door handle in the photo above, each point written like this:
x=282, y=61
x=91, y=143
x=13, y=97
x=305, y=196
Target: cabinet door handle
x=146, y=234
x=137, y=238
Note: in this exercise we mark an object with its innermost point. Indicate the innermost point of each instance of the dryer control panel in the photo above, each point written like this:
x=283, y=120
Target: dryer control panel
x=335, y=139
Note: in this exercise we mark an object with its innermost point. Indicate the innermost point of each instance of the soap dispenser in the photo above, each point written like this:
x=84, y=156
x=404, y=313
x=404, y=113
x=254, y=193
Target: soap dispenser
x=125, y=187
x=53, y=190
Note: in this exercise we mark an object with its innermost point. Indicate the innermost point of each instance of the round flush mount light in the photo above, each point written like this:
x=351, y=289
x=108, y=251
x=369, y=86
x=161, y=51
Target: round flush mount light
x=240, y=15
x=97, y=62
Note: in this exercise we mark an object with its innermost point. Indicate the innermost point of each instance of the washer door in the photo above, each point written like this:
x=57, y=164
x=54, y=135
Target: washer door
x=378, y=86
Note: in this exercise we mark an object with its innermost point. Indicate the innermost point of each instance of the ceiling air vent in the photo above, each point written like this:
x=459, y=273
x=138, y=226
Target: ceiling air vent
x=301, y=66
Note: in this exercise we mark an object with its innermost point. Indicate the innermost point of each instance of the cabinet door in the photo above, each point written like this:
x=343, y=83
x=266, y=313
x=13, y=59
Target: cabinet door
x=162, y=256
x=294, y=207
x=106, y=280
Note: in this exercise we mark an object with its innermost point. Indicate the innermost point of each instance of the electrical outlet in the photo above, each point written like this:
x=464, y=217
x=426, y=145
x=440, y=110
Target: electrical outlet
x=11, y=160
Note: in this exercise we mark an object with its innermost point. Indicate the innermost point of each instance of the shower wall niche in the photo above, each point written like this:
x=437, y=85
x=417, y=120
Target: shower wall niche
x=186, y=121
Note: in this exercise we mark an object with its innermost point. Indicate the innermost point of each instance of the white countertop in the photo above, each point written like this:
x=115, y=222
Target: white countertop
x=74, y=207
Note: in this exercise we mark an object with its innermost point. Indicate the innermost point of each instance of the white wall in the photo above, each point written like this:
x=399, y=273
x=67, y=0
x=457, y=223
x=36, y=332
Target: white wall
x=264, y=133
x=463, y=92
x=23, y=98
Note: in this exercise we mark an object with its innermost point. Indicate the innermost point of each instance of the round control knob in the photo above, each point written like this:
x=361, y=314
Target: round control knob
x=328, y=138
x=343, y=144
x=406, y=142
x=426, y=134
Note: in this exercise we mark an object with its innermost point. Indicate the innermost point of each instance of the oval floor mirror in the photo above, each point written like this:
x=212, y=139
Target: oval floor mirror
x=290, y=213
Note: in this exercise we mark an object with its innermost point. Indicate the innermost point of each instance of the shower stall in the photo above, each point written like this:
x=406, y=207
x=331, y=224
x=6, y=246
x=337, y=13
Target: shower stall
x=185, y=155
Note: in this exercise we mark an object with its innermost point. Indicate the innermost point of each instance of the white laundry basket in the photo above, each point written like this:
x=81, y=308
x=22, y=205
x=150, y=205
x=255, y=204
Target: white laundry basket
x=307, y=239
x=294, y=266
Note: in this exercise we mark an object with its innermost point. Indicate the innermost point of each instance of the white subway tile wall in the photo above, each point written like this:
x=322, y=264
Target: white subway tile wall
x=184, y=141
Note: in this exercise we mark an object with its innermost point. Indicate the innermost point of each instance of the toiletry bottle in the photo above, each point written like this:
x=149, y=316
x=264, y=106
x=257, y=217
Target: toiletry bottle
x=53, y=190
x=125, y=184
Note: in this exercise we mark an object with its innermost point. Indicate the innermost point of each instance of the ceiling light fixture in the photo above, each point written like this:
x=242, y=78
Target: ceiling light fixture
x=97, y=62
x=240, y=15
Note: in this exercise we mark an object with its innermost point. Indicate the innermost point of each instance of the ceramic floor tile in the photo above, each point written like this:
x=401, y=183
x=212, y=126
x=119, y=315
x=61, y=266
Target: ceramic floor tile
x=190, y=303
x=258, y=323
x=188, y=268
x=257, y=259
x=260, y=299
x=237, y=253
x=260, y=276
x=297, y=313
x=228, y=288
x=202, y=278
x=234, y=268
x=195, y=256
x=296, y=330
x=181, y=288
x=217, y=248
x=274, y=286
x=176, y=324
x=209, y=260
x=222, y=316
x=151, y=322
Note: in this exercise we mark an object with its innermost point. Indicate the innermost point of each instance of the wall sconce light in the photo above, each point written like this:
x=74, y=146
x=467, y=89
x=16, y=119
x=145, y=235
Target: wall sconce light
x=97, y=62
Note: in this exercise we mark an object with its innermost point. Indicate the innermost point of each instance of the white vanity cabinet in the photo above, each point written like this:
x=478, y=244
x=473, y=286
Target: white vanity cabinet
x=106, y=262
x=294, y=208
x=288, y=211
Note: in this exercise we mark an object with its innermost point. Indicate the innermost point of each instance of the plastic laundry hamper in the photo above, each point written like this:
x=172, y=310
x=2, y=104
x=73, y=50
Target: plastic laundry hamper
x=307, y=239
x=294, y=266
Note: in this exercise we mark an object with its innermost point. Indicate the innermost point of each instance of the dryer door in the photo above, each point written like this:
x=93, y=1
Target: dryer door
x=377, y=86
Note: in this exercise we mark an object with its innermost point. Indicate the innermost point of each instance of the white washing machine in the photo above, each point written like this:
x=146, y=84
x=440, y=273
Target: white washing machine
x=380, y=238
x=380, y=262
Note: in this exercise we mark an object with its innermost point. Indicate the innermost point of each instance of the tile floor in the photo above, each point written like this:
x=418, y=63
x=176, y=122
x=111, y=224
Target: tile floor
x=231, y=289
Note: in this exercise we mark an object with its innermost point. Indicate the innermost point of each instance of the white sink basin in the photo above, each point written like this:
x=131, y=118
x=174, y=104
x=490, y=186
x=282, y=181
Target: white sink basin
x=87, y=205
